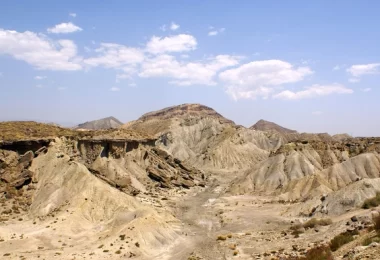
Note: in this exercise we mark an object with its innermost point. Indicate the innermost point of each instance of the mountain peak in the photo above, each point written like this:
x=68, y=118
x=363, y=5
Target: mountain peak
x=104, y=123
x=264, y=125
x=184, y=110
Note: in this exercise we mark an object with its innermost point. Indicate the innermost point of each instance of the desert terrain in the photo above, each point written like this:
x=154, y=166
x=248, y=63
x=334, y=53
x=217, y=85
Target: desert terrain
x=186, y=183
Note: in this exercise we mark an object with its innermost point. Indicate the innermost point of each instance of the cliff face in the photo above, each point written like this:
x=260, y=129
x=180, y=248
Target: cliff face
x=136, y=164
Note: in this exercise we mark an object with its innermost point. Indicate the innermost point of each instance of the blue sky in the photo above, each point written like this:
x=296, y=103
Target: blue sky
x=313, y=66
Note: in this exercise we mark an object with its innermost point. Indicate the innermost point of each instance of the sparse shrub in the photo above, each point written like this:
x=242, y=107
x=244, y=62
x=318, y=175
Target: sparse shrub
x=369, y=240
x=118, y=252
x=376, y=222
x=372, y=202
x=236, y=252
x=221, y=237
x=319, y=253
x=105, y=250
x=229, y=235
x=297, y=229
x=317, y=222
x=341, y=239
x=296, y=233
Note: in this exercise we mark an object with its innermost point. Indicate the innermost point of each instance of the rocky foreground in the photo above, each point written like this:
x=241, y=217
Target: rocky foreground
x=186, y=183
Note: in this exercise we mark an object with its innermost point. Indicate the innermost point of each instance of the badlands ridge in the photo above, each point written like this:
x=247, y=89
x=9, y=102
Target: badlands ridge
x=184, y=183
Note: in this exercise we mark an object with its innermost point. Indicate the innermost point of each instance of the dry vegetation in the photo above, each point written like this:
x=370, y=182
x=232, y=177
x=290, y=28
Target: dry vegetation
x=28, y=130
x=342, y=239
x=21, y=130
x=372, y=202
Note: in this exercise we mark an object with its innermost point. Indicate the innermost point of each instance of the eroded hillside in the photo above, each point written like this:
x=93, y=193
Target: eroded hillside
x=184, y=183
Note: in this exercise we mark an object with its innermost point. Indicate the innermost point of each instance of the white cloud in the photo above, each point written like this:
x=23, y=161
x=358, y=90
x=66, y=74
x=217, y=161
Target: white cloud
x=64, y=28
x=317, y=113
x=366, y=89
x=313, y=91
x=73, y=14
x=132, y=85
x=40, y=77
x=39, y=86
x=39, y=51
x=128, y=72
x=114, y=89
x=364, y=69
x=176, y=43
x=163, y=28
x=354, y=80
x=186, y=73
x=216, y=31
x=113, y=55
x=337, y=67
x=174, y=26
x=185, y=56
x=258, y=78
x=61, y=88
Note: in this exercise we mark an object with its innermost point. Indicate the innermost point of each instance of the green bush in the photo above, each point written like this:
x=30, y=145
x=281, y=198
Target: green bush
x=372, y=202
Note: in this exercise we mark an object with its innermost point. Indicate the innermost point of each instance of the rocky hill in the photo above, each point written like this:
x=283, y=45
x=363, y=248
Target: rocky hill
x=202, y=137
x=263, y=125
x=104, y=123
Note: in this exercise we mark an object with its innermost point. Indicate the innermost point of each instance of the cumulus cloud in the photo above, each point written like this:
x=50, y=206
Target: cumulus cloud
x=40, y=77
x=364, y=69
x=132, y=84
x=176, y=43
x=366, y=89
x=64, y=28
x=174, y=26
x=186, y=73
x=73, y=14
x=259, y=78
x=114, y=89
x=113, y=55
x=40, y=51
x=313, y=91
